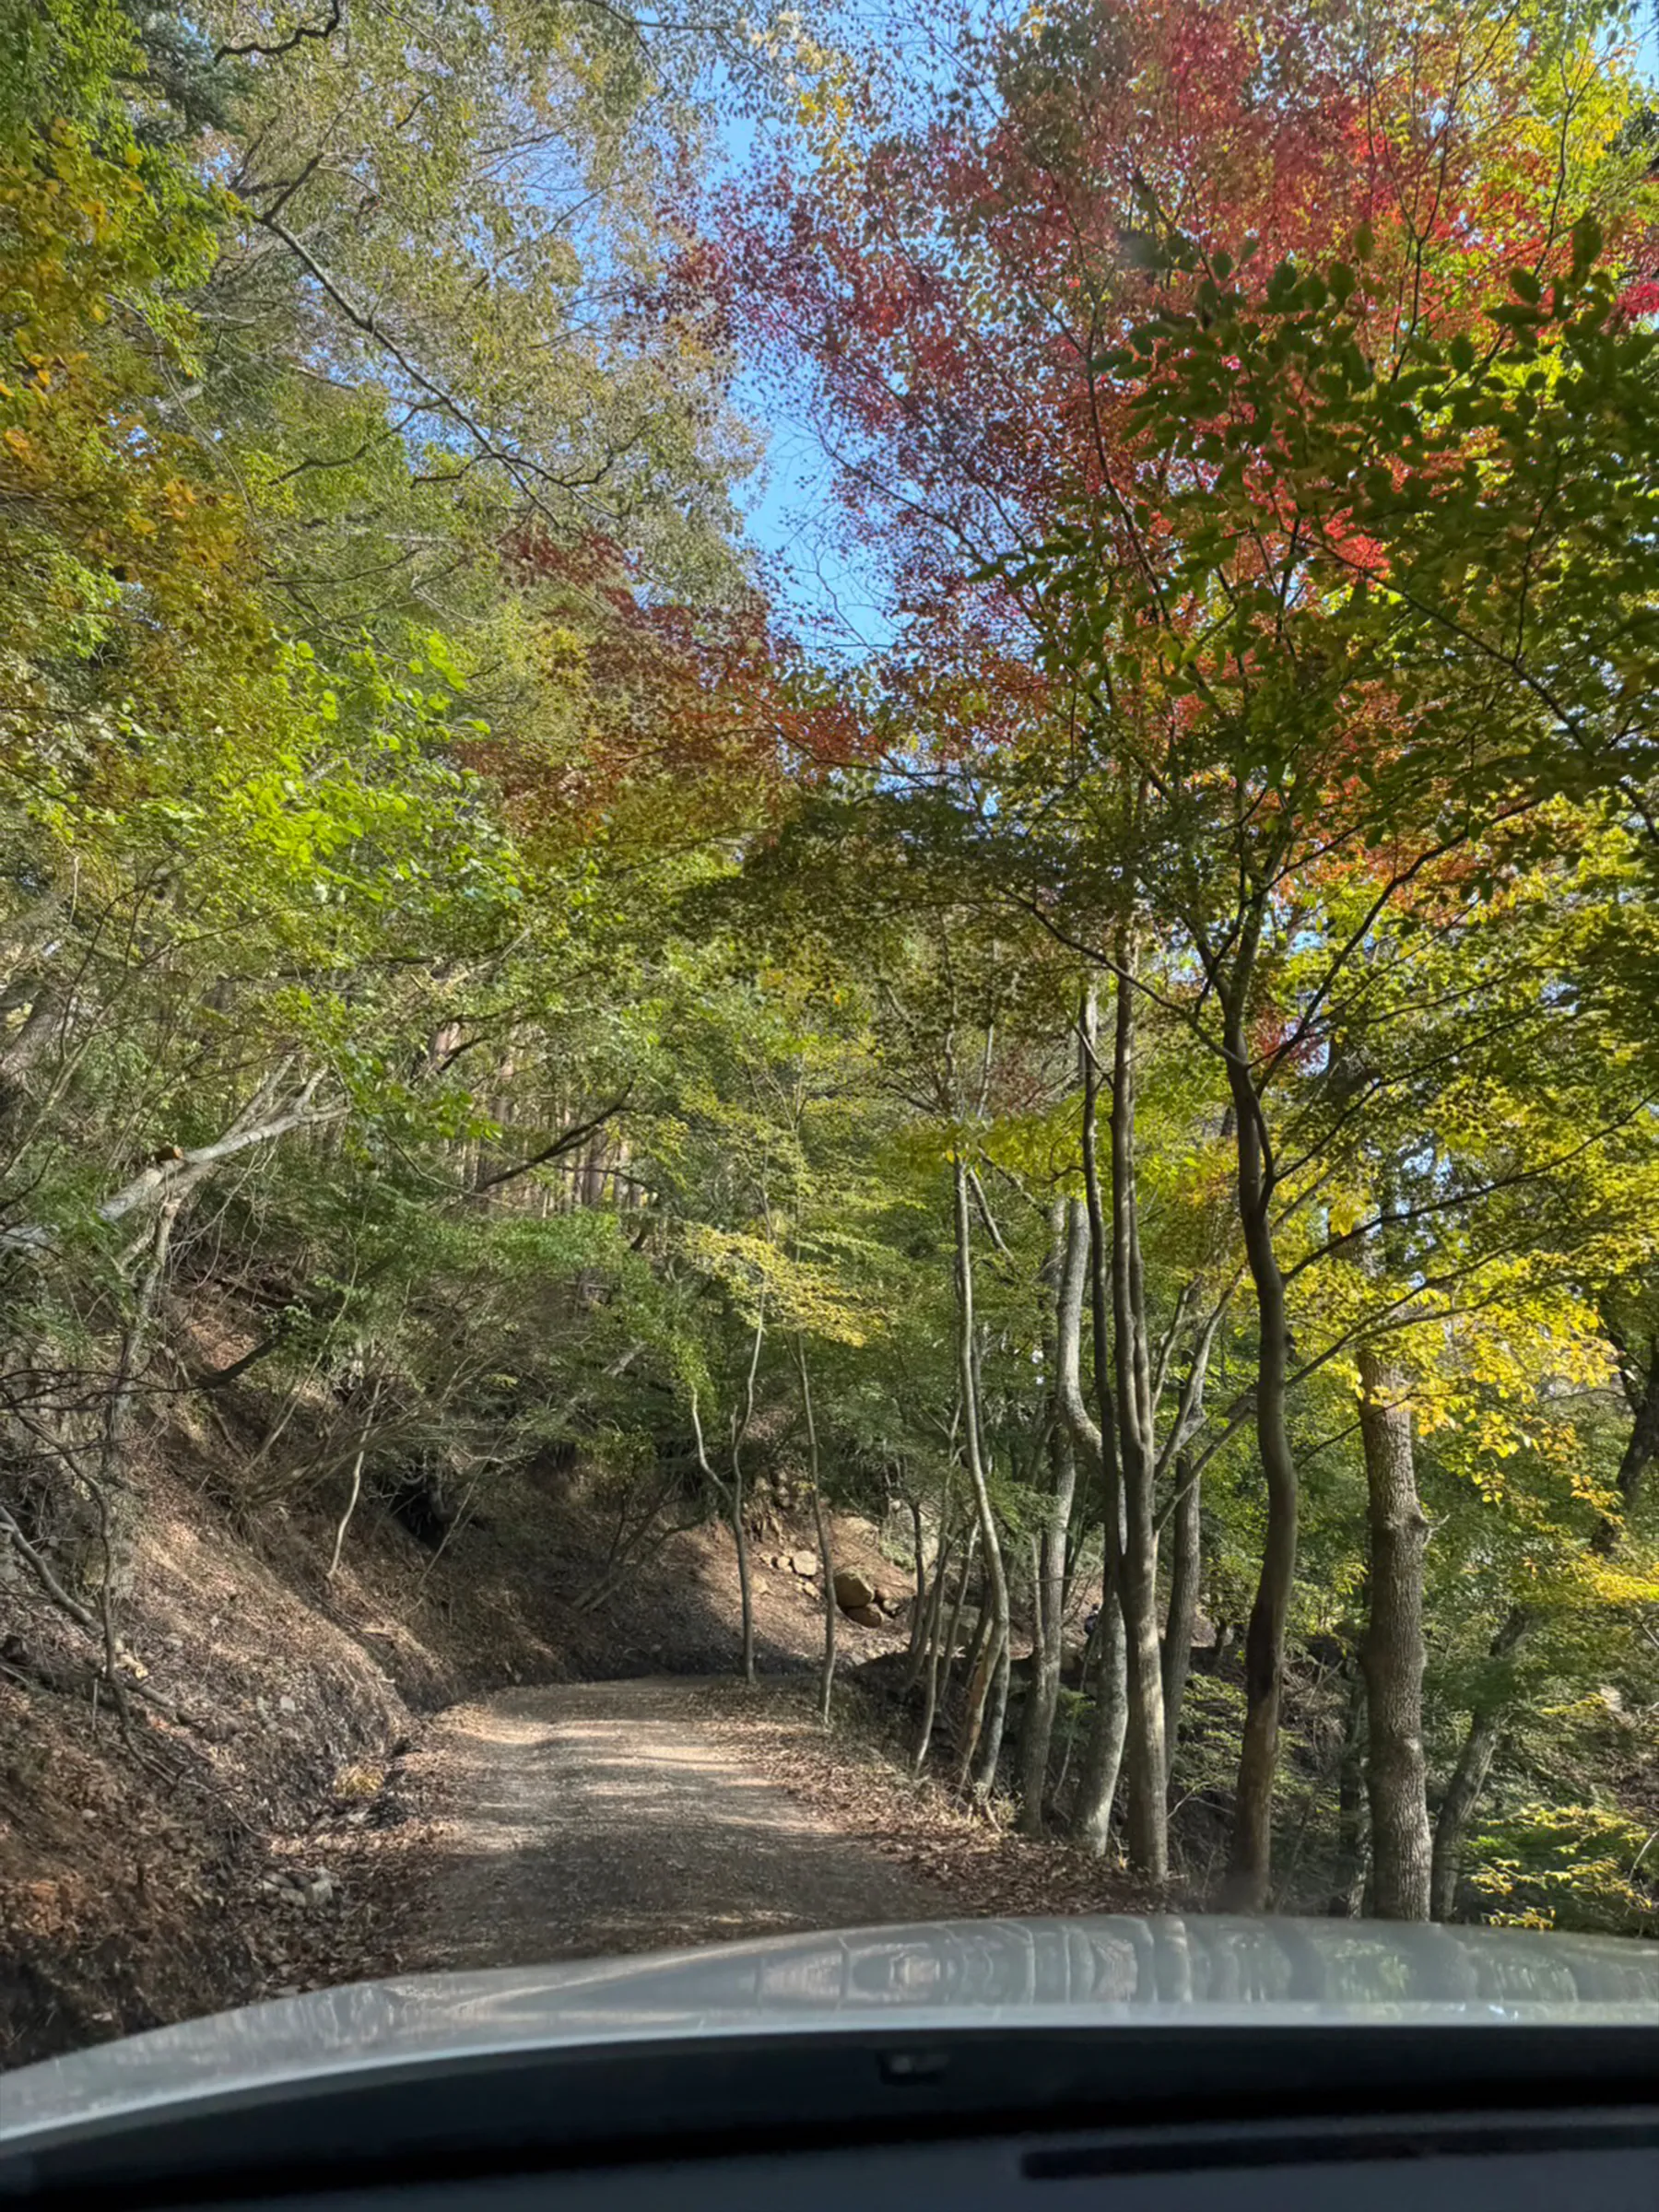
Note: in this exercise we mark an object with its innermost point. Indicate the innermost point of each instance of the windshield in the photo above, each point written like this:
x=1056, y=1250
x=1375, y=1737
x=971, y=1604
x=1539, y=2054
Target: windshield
x=829, y=1003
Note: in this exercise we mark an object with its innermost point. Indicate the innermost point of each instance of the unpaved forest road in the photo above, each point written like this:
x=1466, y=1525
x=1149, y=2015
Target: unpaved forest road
x=602, y=1817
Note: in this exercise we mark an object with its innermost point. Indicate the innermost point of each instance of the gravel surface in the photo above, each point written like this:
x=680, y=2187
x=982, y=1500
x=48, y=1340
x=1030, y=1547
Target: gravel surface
x=596, y=1818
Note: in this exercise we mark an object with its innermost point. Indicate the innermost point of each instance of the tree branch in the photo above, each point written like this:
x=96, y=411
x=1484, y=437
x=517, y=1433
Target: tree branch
x=167, y=1176
x=301, y=32
x=567, y=1141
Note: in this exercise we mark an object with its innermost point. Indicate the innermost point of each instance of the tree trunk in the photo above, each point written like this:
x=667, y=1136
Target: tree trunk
x=740, y=1428
x=1391, y=1653
x=115, y=1500
x=995, y=1711
x=925, y=1628
x=822, y=1524
x=930, y=1695
x=1642, y=1447
x=1146, y=1763
x=357, y=1487
x=979, y=1642
x=1090, y=1821
x=1068, y=1340
x=171, y=1180
x=954, y=1634
x=944, y=1656
x=1186, y=1585
x=1043, y=1693
x=1249, y=1880
x=1462, y=1794
x=927, y=1645
x=827, y=1558
x=1102, y=1758
x=1347, y=1877
x=1043, y=1698
x=976, y=1688
x=43, y=1026
x=996, y=1714
x=968, y=1375
x=1469, y=1775
x=919, y=1602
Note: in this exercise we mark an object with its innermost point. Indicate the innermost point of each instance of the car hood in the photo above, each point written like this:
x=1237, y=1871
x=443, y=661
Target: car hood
x=1113, y=1972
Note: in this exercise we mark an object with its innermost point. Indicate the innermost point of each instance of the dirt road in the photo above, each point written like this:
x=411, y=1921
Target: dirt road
x=605, y=1817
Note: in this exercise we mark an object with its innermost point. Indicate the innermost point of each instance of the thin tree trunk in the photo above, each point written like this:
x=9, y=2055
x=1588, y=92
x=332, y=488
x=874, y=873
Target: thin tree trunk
x=1458, y=1807
x=1469, y=1775
x=1048, y=1604
x=43, y=1023
x=1146, y=1763
x=996, y=1714
x=1186, y=1585
x=1034, y=1570
x=116, y=1501
x=1102, y=1758
x=174, y=1179
x=919, y=1602
x=345, y=1522
x=827, y=1675
x=1347, y=1877
x=356, y=1484
x=1642, y=1447
x=924, y=1641
x=134, y=1342
x=999, y=1656
x=944, y=1654
x=1068, y=1343
x=1090, y=1821
x=1249, y=1881
x=1073, y=1719
x=930, y=1697
x=927, y=1643
x=1391, y=1653
x=980, y=1642
x=976, y=1687
x=1042, y=1701
x=968, y=1374
x=740, y=1427
x=970, y=1566
x=820, y=1522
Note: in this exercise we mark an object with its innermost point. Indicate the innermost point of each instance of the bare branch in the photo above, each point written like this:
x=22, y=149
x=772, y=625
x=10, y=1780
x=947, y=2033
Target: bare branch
x=179, y=1174
x=301, y=32
x=565, y=1142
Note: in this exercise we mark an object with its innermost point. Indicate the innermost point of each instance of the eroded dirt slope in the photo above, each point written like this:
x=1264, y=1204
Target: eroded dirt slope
x=246, y=1834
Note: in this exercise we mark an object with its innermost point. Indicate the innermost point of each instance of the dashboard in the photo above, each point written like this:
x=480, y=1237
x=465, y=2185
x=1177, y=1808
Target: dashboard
x=1244, y=2119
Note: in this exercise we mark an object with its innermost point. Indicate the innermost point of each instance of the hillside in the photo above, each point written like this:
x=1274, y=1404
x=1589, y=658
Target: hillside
x=148, y=1869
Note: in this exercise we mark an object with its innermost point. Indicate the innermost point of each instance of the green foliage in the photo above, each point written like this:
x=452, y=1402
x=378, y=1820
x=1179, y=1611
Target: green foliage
x=1563, y=1865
